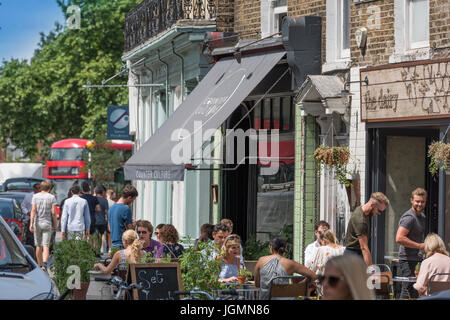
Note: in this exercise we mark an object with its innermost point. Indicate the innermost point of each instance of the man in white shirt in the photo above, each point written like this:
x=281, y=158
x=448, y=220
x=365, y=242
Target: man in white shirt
x=310, y=250
x=76, y=218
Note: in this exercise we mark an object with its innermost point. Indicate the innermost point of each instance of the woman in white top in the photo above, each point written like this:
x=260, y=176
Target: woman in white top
x=330, y=248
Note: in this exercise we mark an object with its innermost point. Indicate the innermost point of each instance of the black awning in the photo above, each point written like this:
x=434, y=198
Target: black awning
x=164, y=155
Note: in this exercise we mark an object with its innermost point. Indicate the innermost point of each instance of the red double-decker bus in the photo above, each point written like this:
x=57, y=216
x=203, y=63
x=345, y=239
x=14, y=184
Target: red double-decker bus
x=66, y=160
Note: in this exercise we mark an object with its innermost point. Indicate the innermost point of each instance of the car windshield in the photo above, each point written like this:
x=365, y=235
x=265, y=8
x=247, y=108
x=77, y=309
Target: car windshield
x=21, y=185
x=66, y=154
x=6, y=210
x=10, y=253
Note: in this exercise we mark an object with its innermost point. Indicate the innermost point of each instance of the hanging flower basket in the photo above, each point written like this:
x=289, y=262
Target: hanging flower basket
x=334, y=157
x=439, y=154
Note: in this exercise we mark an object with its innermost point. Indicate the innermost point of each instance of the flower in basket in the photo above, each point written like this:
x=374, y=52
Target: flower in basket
x=335, y=157
x=439, y=154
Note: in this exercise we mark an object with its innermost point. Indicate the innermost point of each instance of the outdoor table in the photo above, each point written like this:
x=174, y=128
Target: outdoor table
x=403, y=280
x=247, y=290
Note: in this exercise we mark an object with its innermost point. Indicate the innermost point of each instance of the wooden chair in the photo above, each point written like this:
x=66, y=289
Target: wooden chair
x=385, y=287
x=435, y=286
x=298, y=286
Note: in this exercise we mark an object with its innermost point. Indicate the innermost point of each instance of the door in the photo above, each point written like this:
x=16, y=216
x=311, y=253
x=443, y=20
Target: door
x=400, y=165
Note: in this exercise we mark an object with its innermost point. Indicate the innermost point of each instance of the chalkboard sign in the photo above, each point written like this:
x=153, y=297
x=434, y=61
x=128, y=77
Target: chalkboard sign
x=156, y=279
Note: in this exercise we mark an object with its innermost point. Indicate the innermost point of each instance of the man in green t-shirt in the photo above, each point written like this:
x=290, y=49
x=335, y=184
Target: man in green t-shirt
x=358, y=230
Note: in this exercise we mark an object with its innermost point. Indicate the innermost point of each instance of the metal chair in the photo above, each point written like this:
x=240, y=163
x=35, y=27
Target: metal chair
x=435, y=286
x=298, y=286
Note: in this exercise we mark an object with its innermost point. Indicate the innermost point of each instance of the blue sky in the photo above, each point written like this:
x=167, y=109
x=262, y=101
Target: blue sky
x=21, y=21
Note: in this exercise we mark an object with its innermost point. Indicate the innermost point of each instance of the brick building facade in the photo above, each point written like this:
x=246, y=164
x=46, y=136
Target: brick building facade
x=387, y=44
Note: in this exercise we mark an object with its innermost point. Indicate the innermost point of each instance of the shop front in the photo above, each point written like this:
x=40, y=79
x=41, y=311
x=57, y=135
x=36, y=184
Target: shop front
x=405, y=108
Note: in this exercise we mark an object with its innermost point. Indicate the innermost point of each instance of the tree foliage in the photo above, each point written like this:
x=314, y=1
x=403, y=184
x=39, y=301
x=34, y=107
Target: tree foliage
x=43, y=100
x=102, y=161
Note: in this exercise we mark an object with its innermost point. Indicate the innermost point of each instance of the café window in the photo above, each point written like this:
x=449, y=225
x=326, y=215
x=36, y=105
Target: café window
x=275, y=192
x=274, y=113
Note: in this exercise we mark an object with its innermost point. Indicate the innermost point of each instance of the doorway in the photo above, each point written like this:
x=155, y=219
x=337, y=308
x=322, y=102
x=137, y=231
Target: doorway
x=398, y=164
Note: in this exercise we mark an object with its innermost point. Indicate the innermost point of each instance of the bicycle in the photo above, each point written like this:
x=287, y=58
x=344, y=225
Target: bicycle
x=197, y=294
x=121, y=286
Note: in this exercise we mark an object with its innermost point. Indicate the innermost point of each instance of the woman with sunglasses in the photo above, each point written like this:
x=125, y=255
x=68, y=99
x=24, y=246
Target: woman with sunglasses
x=345, y=278
x=229, y=259
x=144, y=230
x=276, y=265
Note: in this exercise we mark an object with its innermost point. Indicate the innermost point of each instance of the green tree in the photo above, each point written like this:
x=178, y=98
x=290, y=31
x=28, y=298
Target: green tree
x=102, y=161
x=43, y=100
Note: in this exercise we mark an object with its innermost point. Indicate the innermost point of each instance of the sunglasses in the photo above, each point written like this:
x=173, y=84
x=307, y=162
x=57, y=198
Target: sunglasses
x=142, y=232
x=332, y=281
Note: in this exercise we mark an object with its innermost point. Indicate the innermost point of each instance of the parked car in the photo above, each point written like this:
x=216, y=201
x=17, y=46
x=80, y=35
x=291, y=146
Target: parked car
x=23, y=184
x=12, y=213
x=27, y=235
x=19, y=196
x=20, y=276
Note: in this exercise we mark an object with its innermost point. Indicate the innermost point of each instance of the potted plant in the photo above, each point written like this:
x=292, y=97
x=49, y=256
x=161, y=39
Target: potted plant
x=199, y=272
x=244, y=275
x=334, y=157
x=72, y=256
x=439, y=154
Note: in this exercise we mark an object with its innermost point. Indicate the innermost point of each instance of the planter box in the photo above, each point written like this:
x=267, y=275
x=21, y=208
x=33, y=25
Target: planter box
x=80, y=294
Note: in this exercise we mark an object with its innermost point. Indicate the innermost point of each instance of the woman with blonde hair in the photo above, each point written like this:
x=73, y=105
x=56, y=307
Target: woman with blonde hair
x=329, y=248
x=229, y=259
x=345, y=278
x=437, y=261
x=131, y=254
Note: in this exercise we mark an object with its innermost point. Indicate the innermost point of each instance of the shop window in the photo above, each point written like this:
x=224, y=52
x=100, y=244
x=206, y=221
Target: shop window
x=273, y=113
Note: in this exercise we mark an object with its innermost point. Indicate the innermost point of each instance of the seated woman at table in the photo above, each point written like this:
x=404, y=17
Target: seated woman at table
x=169, y=237
x=275, y=265
x=330, y=248
x=132, y=253
x=437, y=261
x=345, y=278
x=229, y=259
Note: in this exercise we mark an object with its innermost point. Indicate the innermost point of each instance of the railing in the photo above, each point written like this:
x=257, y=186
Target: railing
x=151, y=17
